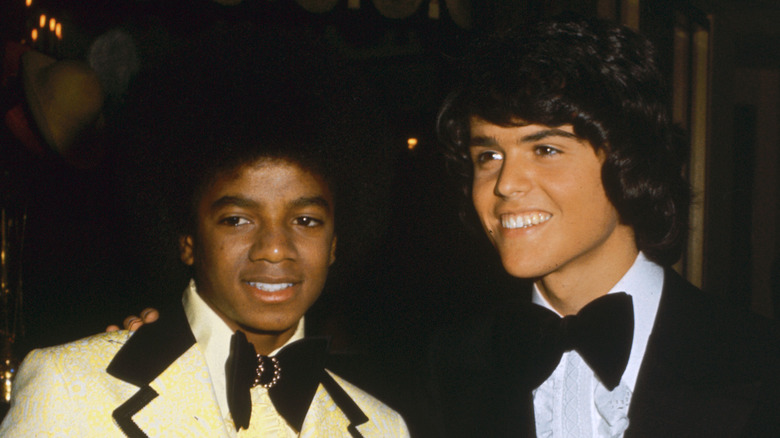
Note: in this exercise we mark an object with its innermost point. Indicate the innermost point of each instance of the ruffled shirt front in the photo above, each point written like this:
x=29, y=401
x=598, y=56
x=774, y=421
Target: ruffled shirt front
x=572, y=402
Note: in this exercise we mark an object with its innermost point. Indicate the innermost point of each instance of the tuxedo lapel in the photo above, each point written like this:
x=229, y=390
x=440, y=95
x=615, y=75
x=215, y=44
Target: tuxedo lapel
x=148, y=353
x=694, y=379
x=152, y=349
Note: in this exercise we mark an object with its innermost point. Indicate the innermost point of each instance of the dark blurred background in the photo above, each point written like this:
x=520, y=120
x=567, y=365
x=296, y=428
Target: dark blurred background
x=87, y=263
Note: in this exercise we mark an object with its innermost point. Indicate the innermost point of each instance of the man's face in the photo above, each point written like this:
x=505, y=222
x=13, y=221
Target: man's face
x=263, y=245
x=539, y=195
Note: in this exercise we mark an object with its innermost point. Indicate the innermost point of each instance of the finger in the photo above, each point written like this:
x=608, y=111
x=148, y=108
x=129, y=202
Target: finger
x=112, y=328
x=135, y=325
x=132, y=323
x=149, y=315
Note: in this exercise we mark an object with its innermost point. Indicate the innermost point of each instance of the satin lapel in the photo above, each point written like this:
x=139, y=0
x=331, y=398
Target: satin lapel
x=149, y=352
x=152, y=349
x=686, y=382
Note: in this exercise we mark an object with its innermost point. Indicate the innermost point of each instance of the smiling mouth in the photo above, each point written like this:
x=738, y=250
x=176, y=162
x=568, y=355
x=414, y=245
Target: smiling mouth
x=512, y=221
x=270, y=287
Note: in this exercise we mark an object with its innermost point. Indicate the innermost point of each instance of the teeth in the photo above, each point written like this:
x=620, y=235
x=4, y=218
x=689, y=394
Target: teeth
x=271, y=287
x=525, y=220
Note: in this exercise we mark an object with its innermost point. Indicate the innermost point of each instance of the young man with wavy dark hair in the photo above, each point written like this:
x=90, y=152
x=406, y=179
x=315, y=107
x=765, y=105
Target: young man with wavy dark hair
x=561, y=137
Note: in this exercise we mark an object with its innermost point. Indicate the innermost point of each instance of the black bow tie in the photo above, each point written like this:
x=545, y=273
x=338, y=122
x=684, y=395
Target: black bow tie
x=602, y=333
x=292, y=378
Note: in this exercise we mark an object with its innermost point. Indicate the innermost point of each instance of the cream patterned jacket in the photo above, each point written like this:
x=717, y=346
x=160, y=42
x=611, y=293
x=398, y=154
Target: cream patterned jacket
x=158, y=385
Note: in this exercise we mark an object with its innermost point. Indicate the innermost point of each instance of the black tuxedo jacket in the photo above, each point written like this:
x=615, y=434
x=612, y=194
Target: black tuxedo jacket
x=708, y=371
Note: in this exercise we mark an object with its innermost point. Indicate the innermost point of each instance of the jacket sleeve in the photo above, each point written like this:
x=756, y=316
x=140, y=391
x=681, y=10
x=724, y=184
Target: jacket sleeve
x=41, y=402
x=65, y=390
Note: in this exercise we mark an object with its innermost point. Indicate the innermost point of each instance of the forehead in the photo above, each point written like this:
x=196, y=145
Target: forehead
x=483, y=132
x=269, y=179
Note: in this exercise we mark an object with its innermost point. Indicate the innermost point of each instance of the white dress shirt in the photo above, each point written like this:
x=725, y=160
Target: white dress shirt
x=213, y=338
x=572, y=401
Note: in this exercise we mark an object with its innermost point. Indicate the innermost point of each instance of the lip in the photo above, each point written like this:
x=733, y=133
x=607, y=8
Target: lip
x=272, y=290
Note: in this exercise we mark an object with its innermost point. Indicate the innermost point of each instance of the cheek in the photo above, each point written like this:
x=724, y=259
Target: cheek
x=481, y=195
x=316, y=253
x=221, y=252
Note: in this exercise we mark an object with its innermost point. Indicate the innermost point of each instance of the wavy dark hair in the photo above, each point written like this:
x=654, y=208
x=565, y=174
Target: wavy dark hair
x=604, y=80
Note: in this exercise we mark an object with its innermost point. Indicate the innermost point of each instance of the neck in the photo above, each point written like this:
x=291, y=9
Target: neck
x=267, y=342
x=579, y=282
x=264, y=342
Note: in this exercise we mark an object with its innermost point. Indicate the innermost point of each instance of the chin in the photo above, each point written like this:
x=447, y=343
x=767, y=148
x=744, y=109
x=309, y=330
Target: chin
x=270, y=327
x=524, y=270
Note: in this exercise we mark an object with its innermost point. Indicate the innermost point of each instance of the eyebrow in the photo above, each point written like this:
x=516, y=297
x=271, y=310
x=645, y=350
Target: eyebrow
x=546, y=133
x=244, y=202
x=306, y=201
x=238, y=201
x=488, y=141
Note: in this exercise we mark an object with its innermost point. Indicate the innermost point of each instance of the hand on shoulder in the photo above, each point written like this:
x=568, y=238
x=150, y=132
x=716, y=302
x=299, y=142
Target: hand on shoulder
x=133, y=322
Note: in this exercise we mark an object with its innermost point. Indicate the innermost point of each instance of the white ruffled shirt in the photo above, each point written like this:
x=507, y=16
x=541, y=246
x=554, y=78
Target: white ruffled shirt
x=213, y=338
x=572, y=402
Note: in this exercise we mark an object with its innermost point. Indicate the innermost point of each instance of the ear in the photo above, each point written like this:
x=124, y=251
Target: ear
x=187, y=249
x=332, y=251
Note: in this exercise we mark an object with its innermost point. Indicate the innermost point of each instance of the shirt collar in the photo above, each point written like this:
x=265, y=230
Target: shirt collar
x=644, y=282
x=213, y=339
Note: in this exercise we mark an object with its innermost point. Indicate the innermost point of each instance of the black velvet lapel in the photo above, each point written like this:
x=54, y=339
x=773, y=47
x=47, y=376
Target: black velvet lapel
x=152, y=349
x=124, y=413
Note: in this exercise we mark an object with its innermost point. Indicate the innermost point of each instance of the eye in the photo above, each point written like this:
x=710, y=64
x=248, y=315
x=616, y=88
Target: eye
x=307, y=221
x=483, y=157
x=234, y=221
x=545, y=150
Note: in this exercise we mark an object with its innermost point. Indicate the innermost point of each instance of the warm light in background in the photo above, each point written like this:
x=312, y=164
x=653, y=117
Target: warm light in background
x=34, y=35
x=52, y=24
x=58, y=31
x=28, y=3
x=42, y=21
x=412, y=143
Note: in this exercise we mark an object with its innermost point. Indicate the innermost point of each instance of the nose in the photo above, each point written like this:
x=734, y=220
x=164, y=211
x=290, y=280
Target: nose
x=513, y=179
x=272, y=244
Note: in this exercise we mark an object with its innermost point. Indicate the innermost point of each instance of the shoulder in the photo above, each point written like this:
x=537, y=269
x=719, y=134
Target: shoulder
x=79, y=360
x=54, y=386
x=93, y=352
x=700, y=328
x=709, y=316
x=485, y=340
